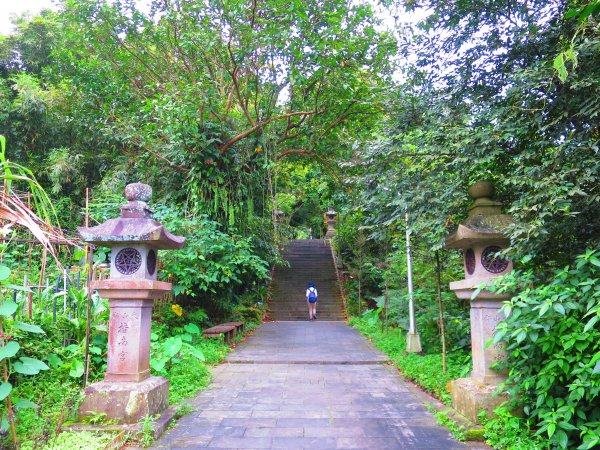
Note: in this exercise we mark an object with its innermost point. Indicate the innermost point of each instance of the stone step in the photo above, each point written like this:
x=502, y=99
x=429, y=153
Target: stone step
x=309, y=260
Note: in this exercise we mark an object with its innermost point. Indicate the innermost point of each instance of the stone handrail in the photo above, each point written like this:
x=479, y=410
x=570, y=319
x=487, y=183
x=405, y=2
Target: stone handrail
x=338, y=275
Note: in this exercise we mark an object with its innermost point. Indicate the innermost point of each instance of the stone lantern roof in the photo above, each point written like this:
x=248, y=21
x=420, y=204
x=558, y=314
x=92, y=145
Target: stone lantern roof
x=485, y=223
x=135, y=225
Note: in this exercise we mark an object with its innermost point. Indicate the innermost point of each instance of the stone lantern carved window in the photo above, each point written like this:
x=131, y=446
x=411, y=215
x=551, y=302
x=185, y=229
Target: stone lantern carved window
x=151, y=262
x=470, y=261
x=128, y=261
x=491, y=261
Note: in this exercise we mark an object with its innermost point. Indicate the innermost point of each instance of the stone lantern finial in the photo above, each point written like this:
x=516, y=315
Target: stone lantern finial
x=138, y=192
x=483, y=192
x=138, y=196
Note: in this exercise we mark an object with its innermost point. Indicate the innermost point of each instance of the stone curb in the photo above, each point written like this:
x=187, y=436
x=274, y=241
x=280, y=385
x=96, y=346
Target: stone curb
x=309, y=362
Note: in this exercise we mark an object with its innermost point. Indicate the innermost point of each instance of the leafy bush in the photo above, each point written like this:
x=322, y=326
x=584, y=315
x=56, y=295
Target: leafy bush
x=213, y=265
x=56, y=397
x=78, y=440
x=510, y=432
x=552, y=340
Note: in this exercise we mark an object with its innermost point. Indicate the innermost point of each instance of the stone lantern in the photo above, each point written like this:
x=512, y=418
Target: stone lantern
x=330, y=220
x=279, y=215
x=481, y=238
x=128, y=391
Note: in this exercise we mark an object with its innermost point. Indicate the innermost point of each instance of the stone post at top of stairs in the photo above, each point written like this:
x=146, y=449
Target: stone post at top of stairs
x=330, y=221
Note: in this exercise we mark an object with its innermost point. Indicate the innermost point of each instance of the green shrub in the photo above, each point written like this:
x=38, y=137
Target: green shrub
x=506, y=431
x=212, y=261
x=552, y=338
x=56, y=396
x=77, y=440
x=187, y=378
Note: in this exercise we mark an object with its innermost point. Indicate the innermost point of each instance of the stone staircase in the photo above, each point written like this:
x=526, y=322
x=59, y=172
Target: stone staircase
x=309, y=260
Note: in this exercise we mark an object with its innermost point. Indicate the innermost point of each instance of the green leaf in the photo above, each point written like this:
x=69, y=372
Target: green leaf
x=22, y=404
x=158, y=364
x=572, y=13
x=559, y=65
x=172, y=346
x=54, y=361
x=95, y=350
x=195, y=352
x=4, y=425
x=587, y=11
x=590, y=323
x=29, y=366
x=559, y=308
x=78, y=370
x=28, y=327
x=192, y=328
x=562, y=438
x=5, y=389
x=8, y=308
x=9, y=350
x=597, y=368
x=4, y=273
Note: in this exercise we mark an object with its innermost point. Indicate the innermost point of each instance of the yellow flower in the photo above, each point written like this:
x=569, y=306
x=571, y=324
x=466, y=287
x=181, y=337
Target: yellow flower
x=177, y=309
x=258, y=149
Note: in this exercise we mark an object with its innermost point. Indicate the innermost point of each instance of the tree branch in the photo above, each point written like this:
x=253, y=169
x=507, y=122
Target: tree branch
x=260, y=125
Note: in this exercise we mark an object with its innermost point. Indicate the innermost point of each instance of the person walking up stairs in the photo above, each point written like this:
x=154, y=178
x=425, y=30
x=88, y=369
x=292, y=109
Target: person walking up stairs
x=309, y=259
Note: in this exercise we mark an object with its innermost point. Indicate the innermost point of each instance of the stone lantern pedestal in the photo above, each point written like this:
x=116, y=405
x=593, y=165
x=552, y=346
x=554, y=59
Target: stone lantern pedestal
x=330, y=221
x=128, y=392
x=481, y=239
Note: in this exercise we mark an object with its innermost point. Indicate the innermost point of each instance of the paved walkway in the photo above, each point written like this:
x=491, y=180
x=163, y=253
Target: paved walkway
x=313, y=385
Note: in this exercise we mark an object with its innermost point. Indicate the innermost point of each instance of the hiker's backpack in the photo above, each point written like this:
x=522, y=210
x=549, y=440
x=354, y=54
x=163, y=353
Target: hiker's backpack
x=312, y=295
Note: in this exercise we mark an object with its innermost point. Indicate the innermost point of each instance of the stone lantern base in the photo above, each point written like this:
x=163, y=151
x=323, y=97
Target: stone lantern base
x=470, y=397
x=126, y=402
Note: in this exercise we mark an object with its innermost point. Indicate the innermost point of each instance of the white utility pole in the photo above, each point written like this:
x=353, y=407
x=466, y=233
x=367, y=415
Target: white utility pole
x=413, y=340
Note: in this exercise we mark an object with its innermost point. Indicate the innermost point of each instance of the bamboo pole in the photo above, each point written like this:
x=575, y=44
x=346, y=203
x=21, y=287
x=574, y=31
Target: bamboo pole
x=89, y=252
x=65, y=288
x=29, y=296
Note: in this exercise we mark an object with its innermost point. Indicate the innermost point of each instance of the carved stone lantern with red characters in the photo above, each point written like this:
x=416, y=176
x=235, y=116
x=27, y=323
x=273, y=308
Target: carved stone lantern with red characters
x=482, y=238
x=128, y=391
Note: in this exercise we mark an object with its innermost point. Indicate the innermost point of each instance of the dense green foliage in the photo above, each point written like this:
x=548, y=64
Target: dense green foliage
x=249, y=119
x=553, y=351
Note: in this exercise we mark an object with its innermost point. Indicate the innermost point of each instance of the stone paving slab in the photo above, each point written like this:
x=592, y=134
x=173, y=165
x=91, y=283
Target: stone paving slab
x=292, y=405
x=316, y=342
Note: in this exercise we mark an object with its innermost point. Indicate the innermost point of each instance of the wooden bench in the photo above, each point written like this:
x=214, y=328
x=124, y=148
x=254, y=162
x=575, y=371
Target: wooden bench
x=227, y=330
x=239, y=327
